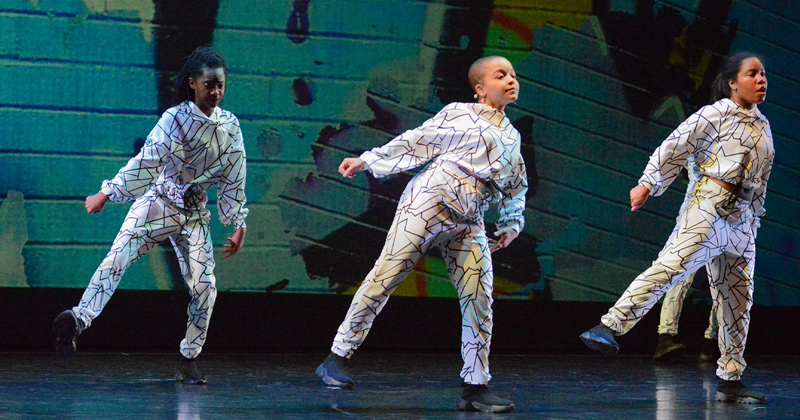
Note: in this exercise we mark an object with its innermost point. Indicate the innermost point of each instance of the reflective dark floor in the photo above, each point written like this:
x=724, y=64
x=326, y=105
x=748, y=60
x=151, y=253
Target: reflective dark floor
x=248, y=386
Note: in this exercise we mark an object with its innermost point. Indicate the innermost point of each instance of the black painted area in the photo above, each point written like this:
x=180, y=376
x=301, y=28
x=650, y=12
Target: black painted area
x=463, y=20
x=386, y=387
x=137, y=321
x=180, y=26
x=302, y=92
x=666, y=49
x=297, y=27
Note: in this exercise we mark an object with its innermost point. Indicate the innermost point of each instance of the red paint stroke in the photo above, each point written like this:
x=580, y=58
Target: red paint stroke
x=420, y=284
x=514, y=25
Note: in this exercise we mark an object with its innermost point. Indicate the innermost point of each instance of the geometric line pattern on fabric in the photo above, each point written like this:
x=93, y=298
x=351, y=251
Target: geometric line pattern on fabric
x=472, y=157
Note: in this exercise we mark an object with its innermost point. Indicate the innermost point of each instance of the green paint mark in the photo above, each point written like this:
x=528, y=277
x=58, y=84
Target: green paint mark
x=13, y=235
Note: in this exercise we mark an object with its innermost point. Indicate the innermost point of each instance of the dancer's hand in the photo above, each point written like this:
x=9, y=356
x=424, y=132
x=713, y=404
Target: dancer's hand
x=235, y=243
x=639, y=195
x=95, y=203
x=350, y=166
x=504, y=238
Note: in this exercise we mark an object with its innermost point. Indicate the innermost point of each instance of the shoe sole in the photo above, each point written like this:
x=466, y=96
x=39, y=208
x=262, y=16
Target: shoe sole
x=722, y=397
x=66, y=327
x=670, y=353
x=328, y=380
x=465, y=405
x=603, y=347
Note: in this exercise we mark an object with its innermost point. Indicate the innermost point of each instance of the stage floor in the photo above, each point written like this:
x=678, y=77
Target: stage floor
x=254, y=386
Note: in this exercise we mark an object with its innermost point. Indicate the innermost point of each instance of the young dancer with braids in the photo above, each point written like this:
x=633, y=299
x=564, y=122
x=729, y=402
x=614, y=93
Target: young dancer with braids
x=731, y=144
x=195, y=146
x=472, y=153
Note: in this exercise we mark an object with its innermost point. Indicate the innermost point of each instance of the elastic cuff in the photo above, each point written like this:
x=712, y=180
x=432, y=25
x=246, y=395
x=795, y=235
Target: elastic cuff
x=341, y=353
x=650, y=187
x=189, y=352
x=608, y=322
x=106, y=190
x=468, y=383
x=367, y=157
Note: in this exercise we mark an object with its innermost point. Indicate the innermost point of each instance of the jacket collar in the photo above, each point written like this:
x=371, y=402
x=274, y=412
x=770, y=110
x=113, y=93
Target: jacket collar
x=749, y=115
x=195, y=111
x=497, y=118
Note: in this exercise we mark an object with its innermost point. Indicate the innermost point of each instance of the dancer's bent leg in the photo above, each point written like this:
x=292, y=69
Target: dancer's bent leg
x=148, y=222
x=696, y=242
x=420, y=218
x=672, y=305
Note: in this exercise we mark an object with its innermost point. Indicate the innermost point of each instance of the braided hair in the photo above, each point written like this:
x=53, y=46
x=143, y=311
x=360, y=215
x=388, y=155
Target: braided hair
x=201, y=58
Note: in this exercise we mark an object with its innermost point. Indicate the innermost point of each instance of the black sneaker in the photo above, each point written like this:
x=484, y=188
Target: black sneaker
x=189, y=374
x=67, y=328
x=601, y=338
x=480, y=398
x=709, y=351
x=736, y=392
x=667, y=349
x=332, y=372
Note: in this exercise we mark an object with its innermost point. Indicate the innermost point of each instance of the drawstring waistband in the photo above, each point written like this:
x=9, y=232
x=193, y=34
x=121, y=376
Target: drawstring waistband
x=489, y=184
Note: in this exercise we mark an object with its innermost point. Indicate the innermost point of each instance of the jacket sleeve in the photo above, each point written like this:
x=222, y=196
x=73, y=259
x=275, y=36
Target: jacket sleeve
x=512, y=205
x=670, y=157
x=230, y=192
x=141, y=171
x=410, y=149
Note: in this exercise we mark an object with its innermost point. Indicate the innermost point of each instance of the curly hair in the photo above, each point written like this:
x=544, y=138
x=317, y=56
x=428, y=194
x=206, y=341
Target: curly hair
x=201, y=58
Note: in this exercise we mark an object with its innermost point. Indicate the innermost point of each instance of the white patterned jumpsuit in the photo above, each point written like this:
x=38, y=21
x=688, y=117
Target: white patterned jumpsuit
x=733, y=144
x=185, y=154
x=474, y=155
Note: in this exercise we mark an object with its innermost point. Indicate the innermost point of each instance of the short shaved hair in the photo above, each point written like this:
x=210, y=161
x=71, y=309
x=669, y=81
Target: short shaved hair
x=478, y=68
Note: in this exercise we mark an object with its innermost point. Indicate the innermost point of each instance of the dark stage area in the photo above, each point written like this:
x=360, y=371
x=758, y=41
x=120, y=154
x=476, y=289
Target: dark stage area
x=263, y=349
x=155, y=321
x=250, y=386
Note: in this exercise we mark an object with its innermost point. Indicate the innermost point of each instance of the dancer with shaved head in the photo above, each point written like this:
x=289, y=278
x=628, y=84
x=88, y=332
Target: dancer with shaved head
x=471, y=154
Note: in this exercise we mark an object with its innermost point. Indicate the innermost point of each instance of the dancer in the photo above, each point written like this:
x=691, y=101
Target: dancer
x=731, y=143
x=672, y=305
x=668, y=347
x=473, y=158
x=195, y=146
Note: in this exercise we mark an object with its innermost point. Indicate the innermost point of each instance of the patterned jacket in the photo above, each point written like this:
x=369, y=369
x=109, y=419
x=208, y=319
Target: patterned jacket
x=185, y=154
x=473, y=136
x=727, y=142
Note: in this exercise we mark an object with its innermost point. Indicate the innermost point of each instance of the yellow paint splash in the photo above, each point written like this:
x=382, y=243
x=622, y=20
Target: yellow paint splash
x=145, y=9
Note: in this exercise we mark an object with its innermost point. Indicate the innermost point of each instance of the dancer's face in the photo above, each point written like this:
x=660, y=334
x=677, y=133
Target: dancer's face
x=750, y=87
x=499, y=86
x=209, y=88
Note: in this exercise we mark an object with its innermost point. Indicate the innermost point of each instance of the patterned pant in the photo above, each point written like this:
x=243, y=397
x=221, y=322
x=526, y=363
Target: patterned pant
x=672, y=306
x=440, y=208
x=150, y=221
x=710, y=232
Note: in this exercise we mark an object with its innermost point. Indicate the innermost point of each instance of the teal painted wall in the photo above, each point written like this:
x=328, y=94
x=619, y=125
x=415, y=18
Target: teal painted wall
x=315, y=81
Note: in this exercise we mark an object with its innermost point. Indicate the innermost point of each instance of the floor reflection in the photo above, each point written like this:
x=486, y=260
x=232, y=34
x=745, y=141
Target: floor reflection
x=105, y=386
